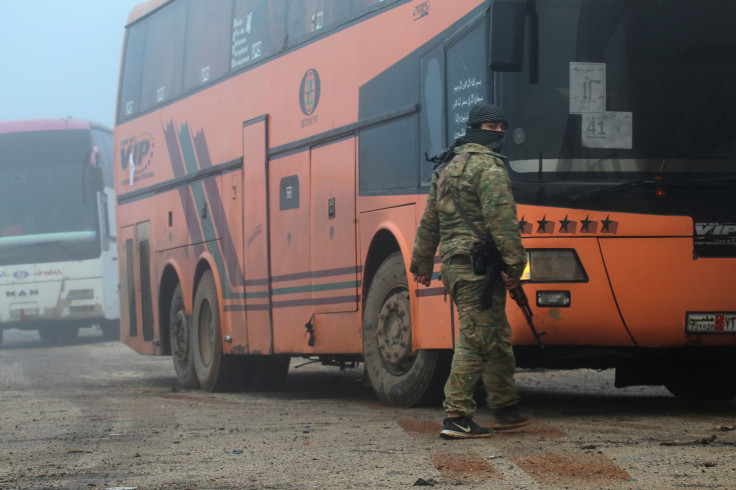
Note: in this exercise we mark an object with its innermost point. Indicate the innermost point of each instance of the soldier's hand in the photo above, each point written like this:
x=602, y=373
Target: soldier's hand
x=422, y=279
x=510, y=283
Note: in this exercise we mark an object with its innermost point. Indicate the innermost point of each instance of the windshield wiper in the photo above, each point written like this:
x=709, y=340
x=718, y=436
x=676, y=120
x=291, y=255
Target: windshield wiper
x=653, y=182
x=613, y=188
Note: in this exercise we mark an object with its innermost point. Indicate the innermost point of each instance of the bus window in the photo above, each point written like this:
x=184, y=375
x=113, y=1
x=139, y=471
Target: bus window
x=432, y=100
x=207, y=42
x=467, y=82
x=258, y=30
x=163, y=56
x=306, y=17
x=388, y=156
x=362, y=6
x=132, y=72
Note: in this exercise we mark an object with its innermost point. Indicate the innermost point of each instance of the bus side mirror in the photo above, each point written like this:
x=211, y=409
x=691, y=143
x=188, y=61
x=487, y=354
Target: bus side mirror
x=507, y=35
x=94, y=157
x=96, y=183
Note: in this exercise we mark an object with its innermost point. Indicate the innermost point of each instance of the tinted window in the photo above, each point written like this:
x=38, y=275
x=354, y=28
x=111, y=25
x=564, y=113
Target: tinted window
x=207, y=42
x=258, y=30
x=388, y=156
x=466, y=79
x=362, y=6
x=309, y=17
x=163, y=55
x=130, y=81
x=432, y=101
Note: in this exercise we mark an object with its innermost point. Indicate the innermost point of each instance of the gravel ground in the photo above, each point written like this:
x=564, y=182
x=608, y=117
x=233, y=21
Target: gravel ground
x=95, y=414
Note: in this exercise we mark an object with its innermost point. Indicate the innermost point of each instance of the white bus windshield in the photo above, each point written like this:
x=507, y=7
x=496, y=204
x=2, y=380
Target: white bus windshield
x=49, y=210
x=626, y=86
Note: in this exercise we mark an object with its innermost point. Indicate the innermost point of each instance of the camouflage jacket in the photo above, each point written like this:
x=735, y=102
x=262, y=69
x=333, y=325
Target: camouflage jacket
x=483, y=188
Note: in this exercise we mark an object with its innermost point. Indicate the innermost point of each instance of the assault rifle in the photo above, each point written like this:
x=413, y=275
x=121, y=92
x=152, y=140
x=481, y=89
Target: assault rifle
x=518, y=295
x=487, y=261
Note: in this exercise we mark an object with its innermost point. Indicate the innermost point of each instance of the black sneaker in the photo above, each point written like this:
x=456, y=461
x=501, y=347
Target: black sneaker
x=462, y=428
x=510, y=418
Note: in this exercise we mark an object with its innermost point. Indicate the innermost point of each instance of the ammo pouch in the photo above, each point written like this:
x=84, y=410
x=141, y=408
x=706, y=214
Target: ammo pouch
x=484, y=254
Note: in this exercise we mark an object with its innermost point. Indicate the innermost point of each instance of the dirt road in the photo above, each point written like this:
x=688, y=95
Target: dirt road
x=97, y=415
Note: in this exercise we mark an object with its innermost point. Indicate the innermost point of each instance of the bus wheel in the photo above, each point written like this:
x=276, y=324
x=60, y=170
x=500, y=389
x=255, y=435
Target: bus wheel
x=209, y=360
x=398, y=375
x=181, y=343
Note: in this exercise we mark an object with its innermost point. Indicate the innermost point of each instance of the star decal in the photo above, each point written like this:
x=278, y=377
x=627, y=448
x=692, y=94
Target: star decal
x=564, y=224
x=607, y=224
x=586, y=224
x=543, y=224
x=522, y=224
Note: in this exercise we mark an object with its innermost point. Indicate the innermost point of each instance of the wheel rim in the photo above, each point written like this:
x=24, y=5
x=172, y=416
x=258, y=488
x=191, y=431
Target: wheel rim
x=206, y=332
x=394, y=331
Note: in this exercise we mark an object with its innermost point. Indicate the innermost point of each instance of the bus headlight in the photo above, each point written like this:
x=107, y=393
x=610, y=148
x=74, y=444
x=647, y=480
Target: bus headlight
x=558, y=265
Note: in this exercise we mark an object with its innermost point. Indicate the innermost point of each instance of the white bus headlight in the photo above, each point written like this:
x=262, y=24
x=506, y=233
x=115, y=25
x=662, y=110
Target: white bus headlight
x=558, y=265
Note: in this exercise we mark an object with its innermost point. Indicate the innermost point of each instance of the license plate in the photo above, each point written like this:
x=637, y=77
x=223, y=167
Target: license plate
x=711, y=322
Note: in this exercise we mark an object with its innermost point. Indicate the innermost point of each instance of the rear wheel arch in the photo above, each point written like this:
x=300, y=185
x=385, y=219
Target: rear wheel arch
x=383, y=245
x=170, y=279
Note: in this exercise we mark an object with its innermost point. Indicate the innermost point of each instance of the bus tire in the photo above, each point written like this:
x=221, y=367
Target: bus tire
x=181, y=342
x=210, y=363
x=398, y=375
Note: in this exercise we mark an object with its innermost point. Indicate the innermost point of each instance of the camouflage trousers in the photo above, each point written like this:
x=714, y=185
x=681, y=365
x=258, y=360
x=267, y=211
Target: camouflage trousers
x=483, y=349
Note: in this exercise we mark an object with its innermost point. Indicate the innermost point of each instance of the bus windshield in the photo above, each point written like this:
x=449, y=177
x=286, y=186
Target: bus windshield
x=625, y=87
x=49, y=211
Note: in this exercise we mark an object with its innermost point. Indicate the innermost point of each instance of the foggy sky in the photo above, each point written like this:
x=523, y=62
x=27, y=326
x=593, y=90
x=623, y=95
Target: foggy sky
x=61, y=58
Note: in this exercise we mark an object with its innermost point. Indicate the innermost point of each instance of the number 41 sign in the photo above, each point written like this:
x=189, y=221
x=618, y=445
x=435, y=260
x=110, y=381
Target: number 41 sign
x=607, y=130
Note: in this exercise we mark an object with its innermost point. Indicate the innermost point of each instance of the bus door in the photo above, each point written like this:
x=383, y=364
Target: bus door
x=256, y=256
x=313, y=248
x=136, y=308
x=334, y=283
x=334, y=274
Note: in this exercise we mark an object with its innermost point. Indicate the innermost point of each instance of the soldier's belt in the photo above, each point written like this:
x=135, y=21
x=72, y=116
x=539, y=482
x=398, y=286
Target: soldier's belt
x=458, y=260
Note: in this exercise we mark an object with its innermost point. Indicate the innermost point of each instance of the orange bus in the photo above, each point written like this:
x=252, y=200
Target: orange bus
x=271, y=173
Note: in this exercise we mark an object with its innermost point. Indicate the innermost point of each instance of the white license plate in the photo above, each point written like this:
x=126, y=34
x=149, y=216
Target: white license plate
x=711, y=322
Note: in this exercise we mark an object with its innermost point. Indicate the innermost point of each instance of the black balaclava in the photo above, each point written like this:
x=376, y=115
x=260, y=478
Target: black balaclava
x=473, y=134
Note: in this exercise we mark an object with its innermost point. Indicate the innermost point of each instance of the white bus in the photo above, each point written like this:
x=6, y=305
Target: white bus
x=58, y=254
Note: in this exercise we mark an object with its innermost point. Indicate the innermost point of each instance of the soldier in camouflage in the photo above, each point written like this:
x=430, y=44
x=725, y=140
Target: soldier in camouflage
x=477, y=181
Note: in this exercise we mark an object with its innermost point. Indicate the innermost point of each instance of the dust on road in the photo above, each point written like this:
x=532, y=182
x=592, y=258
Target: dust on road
x=97, y=415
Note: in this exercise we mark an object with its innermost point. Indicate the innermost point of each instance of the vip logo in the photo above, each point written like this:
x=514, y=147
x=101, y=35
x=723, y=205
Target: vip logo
x=309, y=92
x=715, y=229
x=137, y=150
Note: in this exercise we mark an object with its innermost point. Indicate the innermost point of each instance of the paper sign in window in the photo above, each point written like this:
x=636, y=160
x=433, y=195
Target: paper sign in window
x=608, y=130
x=587, y=87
